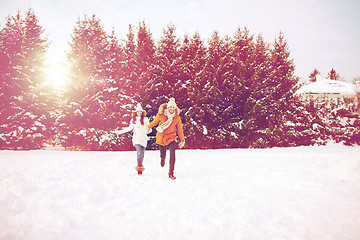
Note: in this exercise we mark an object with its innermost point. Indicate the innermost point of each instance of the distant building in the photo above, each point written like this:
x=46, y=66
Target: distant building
x=332, y=90
x=357, y=88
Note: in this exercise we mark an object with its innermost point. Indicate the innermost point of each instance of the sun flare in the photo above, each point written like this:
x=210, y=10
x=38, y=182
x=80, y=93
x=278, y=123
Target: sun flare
x=57, y=74
x=56, y=67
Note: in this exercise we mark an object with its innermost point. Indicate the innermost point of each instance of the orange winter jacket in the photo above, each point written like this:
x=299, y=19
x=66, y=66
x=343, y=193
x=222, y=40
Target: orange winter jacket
x=169, y=134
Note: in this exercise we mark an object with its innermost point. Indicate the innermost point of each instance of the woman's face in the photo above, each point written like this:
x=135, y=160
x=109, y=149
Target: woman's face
x=139, y=113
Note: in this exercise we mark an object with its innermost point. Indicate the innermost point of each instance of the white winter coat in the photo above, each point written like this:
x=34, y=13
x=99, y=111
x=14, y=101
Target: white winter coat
x=139, y=131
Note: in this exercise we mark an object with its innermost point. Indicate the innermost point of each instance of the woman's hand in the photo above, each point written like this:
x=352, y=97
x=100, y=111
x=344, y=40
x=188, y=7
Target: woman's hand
x=181, y=144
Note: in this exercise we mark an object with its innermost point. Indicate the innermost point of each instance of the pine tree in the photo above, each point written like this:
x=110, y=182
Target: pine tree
x=12, y=83
x=86, y=57
x=231, y=77
x=144, y=58
x=255, y=107
x=243, y=67
x=41, y=94
x=166, y=71
x=24, y=114
x=193, y=57
x=206, y=117
x=190, y=86
x=112, y=96
x=333, y=75
x=96, y=102
x=312, y=76
x=281, y=85
x=128, y=69
x=139, y=61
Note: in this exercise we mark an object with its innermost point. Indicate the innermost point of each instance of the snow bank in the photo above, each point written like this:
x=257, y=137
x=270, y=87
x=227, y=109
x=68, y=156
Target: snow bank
x=346, y=168
x=272, y=194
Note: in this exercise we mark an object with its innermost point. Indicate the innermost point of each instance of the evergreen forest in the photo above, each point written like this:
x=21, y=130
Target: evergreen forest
x=233, y=91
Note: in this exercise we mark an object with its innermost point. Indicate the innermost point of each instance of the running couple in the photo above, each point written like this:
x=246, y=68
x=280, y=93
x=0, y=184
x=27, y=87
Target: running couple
x=169, y=127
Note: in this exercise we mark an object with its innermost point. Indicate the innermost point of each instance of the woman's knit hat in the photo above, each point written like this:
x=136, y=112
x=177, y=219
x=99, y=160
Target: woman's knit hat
x=171, y=103
x=138, y=108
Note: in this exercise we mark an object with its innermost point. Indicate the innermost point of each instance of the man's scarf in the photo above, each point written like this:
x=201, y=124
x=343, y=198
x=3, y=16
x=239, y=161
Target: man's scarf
x=167, y=123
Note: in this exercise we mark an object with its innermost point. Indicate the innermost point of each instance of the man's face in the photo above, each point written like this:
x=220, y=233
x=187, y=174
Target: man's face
x=171, y=109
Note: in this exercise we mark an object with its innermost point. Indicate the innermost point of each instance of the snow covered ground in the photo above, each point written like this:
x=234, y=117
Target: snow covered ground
x=261, y=194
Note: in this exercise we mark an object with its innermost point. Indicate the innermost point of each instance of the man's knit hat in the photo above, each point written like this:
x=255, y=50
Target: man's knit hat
x=171, y=103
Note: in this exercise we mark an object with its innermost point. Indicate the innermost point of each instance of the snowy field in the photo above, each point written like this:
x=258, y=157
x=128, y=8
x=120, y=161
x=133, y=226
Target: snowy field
x=244, y=194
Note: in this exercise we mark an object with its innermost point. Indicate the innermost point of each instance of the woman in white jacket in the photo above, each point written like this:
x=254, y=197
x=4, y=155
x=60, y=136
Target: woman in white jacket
x=138, y=125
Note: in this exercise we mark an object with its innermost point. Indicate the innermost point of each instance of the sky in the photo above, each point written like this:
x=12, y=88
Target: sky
x=321, y=34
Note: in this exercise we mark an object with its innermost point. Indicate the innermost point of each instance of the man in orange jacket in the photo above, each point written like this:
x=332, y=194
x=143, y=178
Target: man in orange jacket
x=169, y=128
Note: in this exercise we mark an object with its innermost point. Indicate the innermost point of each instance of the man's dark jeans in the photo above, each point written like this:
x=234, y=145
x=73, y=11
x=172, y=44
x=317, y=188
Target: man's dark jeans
x=172, y=147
